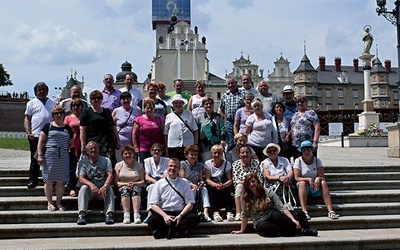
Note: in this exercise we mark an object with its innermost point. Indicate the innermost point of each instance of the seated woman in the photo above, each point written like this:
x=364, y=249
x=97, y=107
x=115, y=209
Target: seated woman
x=171, y=203
x=154, y=168
x=241, y=168
x=219, y=180
x=270, y=218
x=193, y=172
x=129, y=178
x=277, y=170
x=310, y=177
x=239, y=140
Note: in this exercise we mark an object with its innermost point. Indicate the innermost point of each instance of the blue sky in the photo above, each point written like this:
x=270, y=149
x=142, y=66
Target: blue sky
x=43, y=40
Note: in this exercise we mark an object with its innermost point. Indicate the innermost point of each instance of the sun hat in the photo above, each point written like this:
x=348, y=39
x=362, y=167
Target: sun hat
x=178, y=97
x=288, y=88
x=271, y=145
x=305, y=144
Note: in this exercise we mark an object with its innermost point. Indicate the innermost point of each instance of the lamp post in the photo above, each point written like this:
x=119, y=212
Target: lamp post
x=393, y=17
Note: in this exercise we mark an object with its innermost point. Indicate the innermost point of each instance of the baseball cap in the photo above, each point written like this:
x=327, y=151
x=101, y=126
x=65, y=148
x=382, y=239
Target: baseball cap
x=288, y=88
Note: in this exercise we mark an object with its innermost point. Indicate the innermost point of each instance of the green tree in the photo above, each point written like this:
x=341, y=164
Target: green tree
x=4, y=77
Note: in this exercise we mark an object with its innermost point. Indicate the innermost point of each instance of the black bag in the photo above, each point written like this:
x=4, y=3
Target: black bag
x=221, y=179
x=300, y=216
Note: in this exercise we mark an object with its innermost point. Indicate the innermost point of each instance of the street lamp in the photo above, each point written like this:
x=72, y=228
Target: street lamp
x=393, y=17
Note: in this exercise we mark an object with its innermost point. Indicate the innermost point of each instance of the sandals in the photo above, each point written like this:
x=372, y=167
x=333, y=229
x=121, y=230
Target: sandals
x=230, y=217
x=72, y=193
x=217, y=217
x=61, y=208
x=333, y=215
x=307, y=215
x=51, y=208
x=207, y=219
x=238, y=217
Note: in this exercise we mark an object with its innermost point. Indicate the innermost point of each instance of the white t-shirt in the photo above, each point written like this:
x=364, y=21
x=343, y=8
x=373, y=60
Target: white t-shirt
x=261, y=131
x=178, y=133
x=283, y=167
x=217, y=172
x=137, y=95
x=40, y=114
x=156, y=172
x=167, y=198
x=308, y=171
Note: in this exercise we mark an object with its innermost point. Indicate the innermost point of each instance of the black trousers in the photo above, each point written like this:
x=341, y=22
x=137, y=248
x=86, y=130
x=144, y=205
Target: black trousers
x=276, y=226
x=188, y=222
x=220, y=198
x=73, y=162
x=34, y=167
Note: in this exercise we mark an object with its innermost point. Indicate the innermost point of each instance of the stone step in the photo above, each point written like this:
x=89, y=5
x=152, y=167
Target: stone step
x=100, y=229
x=357, y=169
x=362, y=176
x=17, y=181
x=360, y=185
x=70, y=216
x=15, y=172
x=388, y=238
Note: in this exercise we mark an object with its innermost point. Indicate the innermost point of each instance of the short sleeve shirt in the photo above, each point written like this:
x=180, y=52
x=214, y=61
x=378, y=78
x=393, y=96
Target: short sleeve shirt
x=308, y=171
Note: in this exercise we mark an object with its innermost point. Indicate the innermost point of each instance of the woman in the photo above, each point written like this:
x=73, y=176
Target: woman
x=212, y=128
x=277, y=171
x=195, y=101
x=161, y=109
x=241, y=115
x=241, y=168
x=55, y=140
x=219, y=181
x=270, y=218
x=259, y=128
x=193, y=172
x=129, y=178
x=124, y=117
x=310, y=177
x=304, y=125
x=147, y=130
x=97, y=125
x=180, y=128
x=73, y=121
x=281, y=126
x=239, y=140
x=161, y=94
x=154, y=168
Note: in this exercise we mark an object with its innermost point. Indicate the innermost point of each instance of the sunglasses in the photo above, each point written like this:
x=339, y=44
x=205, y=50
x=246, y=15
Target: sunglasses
x=97, y=98
x=161, y=89
x=271, y=151
x=157, y=150
x=306, y=148
x=59, y=113
x=75, y=106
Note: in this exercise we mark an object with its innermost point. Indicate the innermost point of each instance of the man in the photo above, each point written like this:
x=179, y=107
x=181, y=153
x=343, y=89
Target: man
x=179, y=89
x=290, y=104
x=231, y=101
x=110, y=94
x=37, y=114
x=75, y=92
x=247, y=84
x=268, y=99
x=96, y=177
x=135, y=92
x=172, y=201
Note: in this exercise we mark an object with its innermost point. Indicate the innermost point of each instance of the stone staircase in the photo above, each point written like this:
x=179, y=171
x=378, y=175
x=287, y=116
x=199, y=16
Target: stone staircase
x=367, y=198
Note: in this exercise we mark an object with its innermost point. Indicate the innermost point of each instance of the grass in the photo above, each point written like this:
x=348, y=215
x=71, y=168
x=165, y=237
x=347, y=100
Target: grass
x=14, y=143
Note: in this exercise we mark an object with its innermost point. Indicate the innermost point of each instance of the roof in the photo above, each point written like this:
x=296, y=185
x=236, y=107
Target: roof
x=305, y=65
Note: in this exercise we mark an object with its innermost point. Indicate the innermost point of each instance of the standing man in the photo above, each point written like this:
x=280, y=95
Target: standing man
x=247, y=84
x=231, y=101
x=268, y=99
x=37, y=114
x=290, y=104
x=75, y=92
x=110, y=94
x=96, y=177
x=171, y=201
x=135, y=92
x=180, y=89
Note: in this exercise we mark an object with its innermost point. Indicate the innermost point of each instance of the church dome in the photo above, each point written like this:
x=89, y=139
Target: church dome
x=126, y=68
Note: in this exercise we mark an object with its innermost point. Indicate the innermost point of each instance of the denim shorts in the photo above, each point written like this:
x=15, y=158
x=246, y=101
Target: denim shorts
x=311, y=193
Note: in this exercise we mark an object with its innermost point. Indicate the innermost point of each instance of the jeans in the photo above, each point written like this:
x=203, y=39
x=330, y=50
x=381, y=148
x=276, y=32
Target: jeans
x=229, y=134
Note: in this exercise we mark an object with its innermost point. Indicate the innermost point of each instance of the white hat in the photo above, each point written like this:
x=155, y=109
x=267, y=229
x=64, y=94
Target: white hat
x=178, y=97
x=288, y=88
x=271, y=145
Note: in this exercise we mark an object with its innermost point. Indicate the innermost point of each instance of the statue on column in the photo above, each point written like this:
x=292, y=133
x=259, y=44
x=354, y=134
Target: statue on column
x=368, y=39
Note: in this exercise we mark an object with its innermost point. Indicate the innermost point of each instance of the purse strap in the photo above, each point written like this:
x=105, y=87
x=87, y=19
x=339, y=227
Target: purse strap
x=184, y=122
x=126, y=122
x=179, y=193
x=277, y=128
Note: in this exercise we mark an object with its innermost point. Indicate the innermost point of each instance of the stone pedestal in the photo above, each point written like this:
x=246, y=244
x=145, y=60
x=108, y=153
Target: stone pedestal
x=366, y=118
x=393, y=140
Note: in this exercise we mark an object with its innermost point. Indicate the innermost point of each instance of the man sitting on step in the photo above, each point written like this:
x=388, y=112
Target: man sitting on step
x=96, y=177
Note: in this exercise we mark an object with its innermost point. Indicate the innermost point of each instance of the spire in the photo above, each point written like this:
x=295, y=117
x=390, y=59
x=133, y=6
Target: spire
x=305, y=48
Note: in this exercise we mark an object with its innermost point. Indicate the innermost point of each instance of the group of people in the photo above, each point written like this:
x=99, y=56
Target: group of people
x=181, y=152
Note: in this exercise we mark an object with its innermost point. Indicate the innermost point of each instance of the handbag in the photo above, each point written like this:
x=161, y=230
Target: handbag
x=285, y=193
x=221, y=179
x=300, y=216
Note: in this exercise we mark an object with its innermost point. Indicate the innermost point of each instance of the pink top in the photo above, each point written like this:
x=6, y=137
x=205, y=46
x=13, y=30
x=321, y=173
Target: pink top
x=150, y=132
x=74, y=122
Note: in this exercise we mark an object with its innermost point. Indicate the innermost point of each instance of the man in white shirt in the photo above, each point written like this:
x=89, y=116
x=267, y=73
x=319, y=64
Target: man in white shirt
x=172, y=201
x=135, y=92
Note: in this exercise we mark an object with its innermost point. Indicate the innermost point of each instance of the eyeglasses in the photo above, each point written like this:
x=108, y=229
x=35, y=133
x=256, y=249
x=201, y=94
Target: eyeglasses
x=271, y=151
x=306, y=148
x=75, y=106
x=108, y=79
x=97, y=98
x=161, y=89
x=208, y=103
x=59, y=113
x=157, y=149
